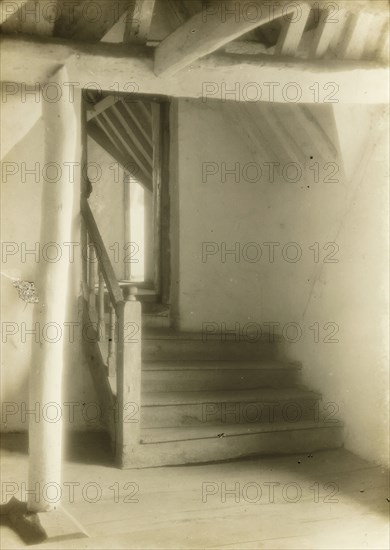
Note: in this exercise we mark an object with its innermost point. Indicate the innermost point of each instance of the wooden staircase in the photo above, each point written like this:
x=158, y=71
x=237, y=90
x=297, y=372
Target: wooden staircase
x=210, y=400
x=178, y=398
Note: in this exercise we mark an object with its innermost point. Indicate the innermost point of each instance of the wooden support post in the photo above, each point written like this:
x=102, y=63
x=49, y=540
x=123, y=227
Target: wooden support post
x=128, y=380
x=62, y=127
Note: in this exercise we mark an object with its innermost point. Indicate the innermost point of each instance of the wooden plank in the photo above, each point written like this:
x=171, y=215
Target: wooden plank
x=292, y=31
x=113, y=288
x=32, y=60
x=128, y=381
x=379, y=27
x=134, y=133
x=207, y=31
x=138, y=25
x=135, y=146
x=133, y=154
x=324, y=33
x=105, y=140
x=111, y=143
x=104, y=104
x=353, y=40
x=382, y=52
x=134, y=116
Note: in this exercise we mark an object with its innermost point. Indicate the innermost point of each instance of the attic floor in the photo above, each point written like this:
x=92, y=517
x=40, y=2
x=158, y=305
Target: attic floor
x=166, y=508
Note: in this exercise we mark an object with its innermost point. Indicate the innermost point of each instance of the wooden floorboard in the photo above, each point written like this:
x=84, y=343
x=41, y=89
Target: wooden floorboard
x=170, y=511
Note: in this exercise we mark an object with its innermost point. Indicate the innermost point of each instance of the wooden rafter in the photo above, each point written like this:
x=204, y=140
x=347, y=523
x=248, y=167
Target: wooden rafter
x=119, y=132
x=103, y=137
x=324, y=33
x=138, y=24
x=103, y=104
x=353, y=40
x=138, y=123
x=207, y=31
x=133, y=139
x=292, y=31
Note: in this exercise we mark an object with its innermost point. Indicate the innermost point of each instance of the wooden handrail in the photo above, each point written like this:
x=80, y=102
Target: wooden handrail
x=114, y=290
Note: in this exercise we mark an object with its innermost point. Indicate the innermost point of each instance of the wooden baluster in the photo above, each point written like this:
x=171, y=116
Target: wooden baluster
x=92, y=276
x=111, y=360
x=101, y=318
x=128, y=379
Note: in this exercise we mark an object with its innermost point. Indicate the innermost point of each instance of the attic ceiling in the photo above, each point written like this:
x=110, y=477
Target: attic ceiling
x=351, y=30
x=291, y=42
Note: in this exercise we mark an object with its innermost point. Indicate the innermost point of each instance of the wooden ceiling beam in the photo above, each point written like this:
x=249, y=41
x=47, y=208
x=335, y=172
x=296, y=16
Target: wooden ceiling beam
x=211, y=29
x=32, y=60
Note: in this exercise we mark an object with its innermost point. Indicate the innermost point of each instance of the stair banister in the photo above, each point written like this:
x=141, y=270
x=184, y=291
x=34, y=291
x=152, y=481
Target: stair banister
x=124, y=338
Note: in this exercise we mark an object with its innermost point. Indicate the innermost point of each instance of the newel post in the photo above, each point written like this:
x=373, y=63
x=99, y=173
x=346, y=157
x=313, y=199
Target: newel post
x=128, y=379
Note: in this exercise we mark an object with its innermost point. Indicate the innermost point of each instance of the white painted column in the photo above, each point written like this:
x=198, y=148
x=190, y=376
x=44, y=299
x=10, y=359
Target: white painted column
x=62, y=145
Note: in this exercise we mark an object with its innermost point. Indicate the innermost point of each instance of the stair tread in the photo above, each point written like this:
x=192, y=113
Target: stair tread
x=208, y=431
x=150, y=399
x=233, y=365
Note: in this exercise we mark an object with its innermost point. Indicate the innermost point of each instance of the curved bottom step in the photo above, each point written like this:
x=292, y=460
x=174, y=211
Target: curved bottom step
x=178, y=446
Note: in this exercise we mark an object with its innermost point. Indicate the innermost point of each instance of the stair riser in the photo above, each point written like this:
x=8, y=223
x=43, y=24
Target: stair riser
x=239, y=446
x=217, y=380
x=219, y=414
x=187, y=350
